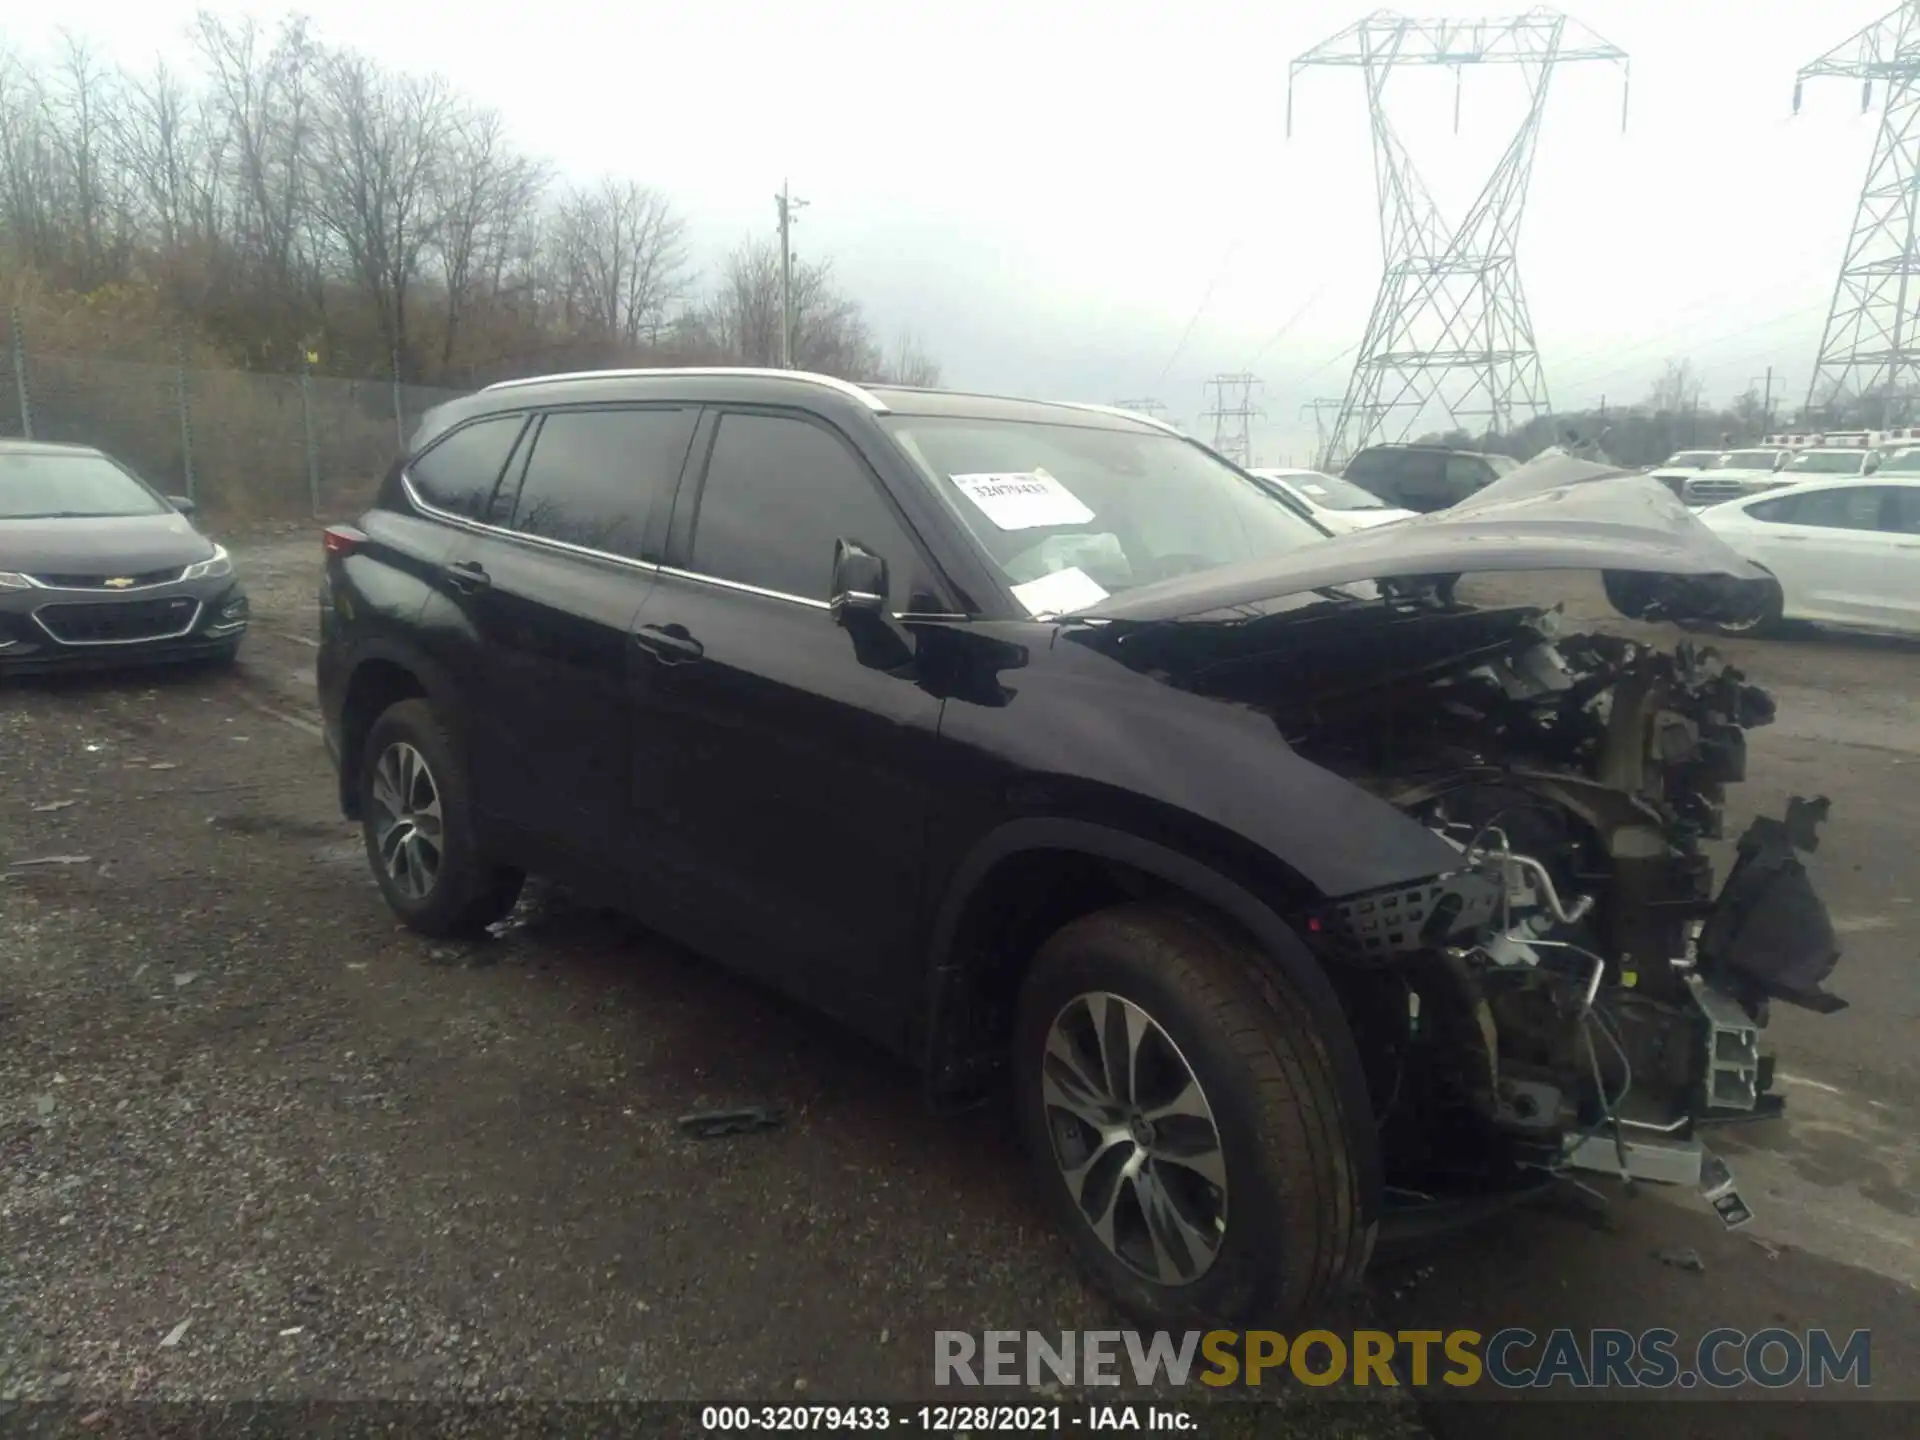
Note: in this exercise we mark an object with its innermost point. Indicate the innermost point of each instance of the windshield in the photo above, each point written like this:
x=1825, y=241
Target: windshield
x=1503, y=464
x=1907, y=462
x=47, y=485
x=1330, y=492
x=1827, y=462
x=1101, y=510
x=1747, y=460
x=1689, y=460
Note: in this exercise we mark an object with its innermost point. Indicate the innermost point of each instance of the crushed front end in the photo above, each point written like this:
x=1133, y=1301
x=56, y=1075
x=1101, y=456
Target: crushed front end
x=1577, y=994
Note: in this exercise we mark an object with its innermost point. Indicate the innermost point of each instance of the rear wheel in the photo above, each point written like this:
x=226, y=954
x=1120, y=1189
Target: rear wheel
x=418, y=828
x=1180, y=1112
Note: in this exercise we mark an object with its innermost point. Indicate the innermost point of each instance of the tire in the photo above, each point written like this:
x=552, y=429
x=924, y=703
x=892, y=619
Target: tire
x=1292, y=1236
x=1768, y=620
x=460, y=892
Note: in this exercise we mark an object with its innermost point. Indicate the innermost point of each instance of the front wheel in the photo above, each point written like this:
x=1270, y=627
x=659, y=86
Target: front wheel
x=418, y=829
x=1180, y=1111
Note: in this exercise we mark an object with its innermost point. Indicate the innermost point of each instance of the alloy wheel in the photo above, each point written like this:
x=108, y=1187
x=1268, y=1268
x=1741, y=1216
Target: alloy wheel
x=406, y=818
x=1135, y=1139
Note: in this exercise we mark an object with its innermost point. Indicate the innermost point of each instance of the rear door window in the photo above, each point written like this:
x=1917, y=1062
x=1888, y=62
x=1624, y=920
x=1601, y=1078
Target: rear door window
x=1852, y=507
x=458, y=473
x=595, y=476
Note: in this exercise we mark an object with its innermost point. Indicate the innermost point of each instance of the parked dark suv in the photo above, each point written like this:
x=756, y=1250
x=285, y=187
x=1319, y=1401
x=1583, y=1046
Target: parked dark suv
x=1425, y=478
x=1038, y=743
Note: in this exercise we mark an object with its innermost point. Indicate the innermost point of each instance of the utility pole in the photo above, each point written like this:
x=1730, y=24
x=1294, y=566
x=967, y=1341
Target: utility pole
x=1766, y=402
x=787, y=203
x=1871, y=347
x=1321, y=409
x=1232, y=415
x=1450, y=329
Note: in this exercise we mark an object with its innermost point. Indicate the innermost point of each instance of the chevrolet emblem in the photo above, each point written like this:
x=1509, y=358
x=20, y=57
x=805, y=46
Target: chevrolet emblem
x=119, y=582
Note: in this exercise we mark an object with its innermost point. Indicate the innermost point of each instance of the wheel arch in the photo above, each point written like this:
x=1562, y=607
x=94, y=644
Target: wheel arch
x=382, y=674
x=1028, y=877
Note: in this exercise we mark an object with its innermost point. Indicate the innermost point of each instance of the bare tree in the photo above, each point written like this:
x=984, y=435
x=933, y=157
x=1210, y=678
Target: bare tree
x=28, y=215
x=1677, y=389
x=829, y=333
x=380, y=152
x=487, y=194
x=908, y=364
x=622, y=250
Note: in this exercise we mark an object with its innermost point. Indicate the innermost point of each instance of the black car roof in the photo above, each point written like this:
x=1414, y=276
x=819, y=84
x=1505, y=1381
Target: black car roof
x=719, y=385
x=1421, y=446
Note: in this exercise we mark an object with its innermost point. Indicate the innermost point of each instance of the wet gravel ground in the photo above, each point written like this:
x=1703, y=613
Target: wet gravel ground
x=257, y=1141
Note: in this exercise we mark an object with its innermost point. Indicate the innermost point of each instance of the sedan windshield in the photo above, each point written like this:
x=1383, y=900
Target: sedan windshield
x=1330, y=492
x=48, y=485
x=1827, y=462
x=1124, y=508
x=1907, y=462
x=1748, y=460
x=1689, y=460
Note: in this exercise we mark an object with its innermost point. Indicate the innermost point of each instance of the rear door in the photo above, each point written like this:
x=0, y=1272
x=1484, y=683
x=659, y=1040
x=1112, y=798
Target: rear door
x=1830, y=552
x=550, y=590
x=779, y=786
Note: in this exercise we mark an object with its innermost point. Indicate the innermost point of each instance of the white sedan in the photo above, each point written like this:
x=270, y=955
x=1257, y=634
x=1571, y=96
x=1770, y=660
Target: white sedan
x=1841, y=552
x=1340, y=505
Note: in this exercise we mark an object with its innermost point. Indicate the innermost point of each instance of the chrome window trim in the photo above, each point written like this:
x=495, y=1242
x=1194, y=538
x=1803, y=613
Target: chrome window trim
x=744, y=588
x=501, y=532
x=199, y=607
x=828, y=382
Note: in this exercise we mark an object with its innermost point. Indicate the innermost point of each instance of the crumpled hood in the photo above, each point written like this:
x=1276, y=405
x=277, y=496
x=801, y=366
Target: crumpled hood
x=1556, y=512
x=133, y=543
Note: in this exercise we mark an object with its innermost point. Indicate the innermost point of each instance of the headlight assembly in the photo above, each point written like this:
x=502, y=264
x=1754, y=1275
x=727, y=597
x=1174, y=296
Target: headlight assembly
x=11, y=581
x=212, y=568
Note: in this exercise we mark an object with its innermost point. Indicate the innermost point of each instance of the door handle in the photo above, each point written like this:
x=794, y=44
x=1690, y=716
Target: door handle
x=669, y=644
x=468, y=576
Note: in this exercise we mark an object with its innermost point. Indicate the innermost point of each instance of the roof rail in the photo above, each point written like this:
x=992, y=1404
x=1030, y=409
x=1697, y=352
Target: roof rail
x=1121, y=410
x=829, y=382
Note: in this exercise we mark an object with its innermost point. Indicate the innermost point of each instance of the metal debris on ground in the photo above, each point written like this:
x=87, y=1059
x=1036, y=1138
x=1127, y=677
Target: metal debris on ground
x=1687, y=1258
x=711, y=1124
x=52, y=860
x=53, y=805
x=173, y=1336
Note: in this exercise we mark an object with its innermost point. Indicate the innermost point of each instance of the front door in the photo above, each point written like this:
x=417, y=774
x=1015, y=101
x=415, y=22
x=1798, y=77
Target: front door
x=1830, y=553
x=779, y=785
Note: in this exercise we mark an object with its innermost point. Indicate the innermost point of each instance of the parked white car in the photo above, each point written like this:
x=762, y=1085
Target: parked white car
x=1841, y=551
x=1340, y=505
x=1737, y=473
x=1682, y=466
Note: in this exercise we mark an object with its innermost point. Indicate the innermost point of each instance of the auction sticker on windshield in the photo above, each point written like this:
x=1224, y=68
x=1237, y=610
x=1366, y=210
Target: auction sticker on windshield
x=1062, y=593
x=1023, y=500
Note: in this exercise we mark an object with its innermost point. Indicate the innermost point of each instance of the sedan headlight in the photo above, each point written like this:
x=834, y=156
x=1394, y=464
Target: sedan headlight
x=11, y=581
x=212, y=568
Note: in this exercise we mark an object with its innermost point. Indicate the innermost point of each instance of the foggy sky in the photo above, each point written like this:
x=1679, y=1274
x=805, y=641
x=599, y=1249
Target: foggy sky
x=1047, y=194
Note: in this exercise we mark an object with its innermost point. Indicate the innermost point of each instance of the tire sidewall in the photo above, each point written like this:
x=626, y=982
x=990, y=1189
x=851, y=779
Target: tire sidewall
x=1253, y=1252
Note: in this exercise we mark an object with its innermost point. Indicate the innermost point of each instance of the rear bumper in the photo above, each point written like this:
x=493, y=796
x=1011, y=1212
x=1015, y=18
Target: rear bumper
x=42, y=631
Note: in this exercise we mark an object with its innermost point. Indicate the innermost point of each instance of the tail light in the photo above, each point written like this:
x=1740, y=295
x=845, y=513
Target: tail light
x=341, y=539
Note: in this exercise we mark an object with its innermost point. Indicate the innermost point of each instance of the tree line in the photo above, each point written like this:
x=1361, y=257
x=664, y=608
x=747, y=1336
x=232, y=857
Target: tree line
x=285, y=201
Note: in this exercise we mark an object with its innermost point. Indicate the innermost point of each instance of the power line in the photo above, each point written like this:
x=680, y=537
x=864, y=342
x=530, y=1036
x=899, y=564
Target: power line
x=1207, y=298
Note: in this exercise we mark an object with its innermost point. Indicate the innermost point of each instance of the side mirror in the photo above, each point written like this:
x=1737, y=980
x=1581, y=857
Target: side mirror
x=859, y=582
x=1873, y=464
x=182, y=504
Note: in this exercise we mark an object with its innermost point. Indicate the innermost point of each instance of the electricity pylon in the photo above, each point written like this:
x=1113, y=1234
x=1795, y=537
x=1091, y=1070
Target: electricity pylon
x=1232, y=415
x=1870, y=350
x=1450, y=327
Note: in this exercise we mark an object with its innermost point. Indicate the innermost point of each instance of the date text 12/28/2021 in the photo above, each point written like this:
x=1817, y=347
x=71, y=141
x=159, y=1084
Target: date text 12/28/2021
x=942, y=1419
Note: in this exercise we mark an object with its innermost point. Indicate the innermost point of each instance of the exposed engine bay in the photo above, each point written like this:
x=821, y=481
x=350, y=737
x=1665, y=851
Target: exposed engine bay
x=1576, y=995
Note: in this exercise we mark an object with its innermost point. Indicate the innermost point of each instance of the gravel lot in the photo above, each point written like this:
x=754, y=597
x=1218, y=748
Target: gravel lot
x=236, y=1098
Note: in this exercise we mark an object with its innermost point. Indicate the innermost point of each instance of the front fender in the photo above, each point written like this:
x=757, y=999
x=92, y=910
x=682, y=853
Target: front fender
x=1209, y=888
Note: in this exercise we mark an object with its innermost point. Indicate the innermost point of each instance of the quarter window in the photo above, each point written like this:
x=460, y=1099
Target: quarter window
x=595, y=476
x=1852, y=507
x=459, y=473
x=779, y=492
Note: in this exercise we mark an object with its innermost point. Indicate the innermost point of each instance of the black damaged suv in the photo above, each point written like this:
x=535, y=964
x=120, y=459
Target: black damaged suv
x=1290, y=898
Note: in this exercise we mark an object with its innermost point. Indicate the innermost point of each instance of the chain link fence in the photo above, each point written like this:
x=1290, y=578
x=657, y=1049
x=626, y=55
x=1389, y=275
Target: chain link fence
x=242, y=444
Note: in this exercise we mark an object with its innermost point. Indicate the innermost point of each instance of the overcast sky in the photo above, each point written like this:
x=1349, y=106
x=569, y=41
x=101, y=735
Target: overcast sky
x=1052, y=195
